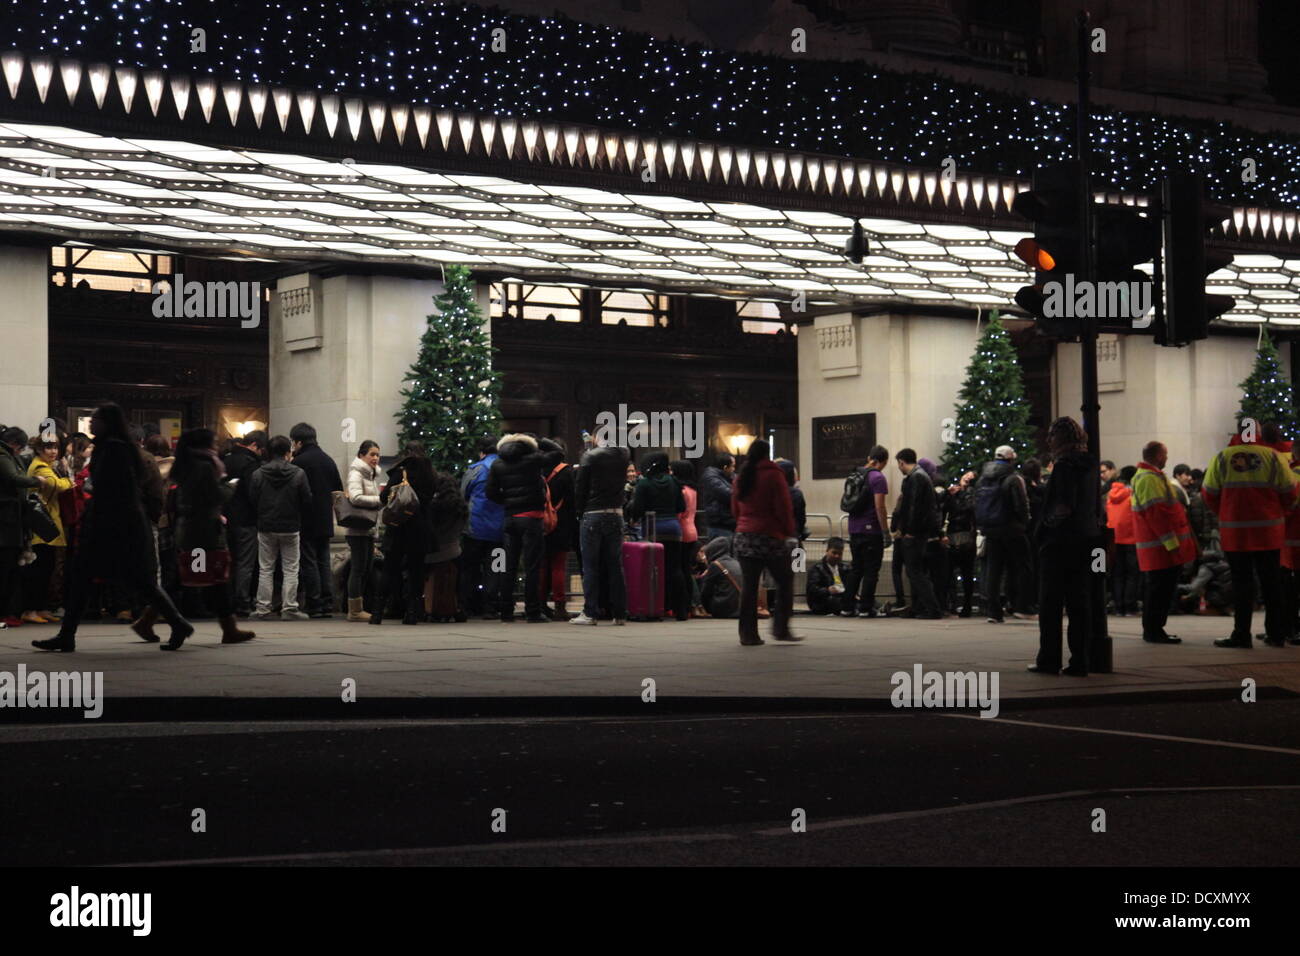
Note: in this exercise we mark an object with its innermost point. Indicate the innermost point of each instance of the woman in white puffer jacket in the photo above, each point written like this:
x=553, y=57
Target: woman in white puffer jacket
x=363, y=492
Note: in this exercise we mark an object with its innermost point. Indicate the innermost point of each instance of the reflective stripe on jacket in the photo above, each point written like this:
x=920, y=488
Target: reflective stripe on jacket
x=1164, y=537
x=1250, y=488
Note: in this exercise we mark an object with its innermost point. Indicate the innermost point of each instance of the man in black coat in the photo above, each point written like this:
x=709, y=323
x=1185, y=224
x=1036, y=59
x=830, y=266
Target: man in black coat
x=917, y=522
x=715, y=496
x=825, y=588
x=517, y=483
x=318, y=524
x=241, y=518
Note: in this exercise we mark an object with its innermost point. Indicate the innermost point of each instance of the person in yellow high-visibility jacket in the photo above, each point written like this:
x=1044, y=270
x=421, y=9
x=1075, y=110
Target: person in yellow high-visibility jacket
x=1250, y=488
x=1164, y=540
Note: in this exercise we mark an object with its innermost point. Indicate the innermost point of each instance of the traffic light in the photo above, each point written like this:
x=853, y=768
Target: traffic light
x=1124, y=296
x=1056, y=250
x=1189, y=310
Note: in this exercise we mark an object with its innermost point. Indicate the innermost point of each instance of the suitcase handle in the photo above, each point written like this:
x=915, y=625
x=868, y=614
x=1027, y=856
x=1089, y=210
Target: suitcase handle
x=650, y=529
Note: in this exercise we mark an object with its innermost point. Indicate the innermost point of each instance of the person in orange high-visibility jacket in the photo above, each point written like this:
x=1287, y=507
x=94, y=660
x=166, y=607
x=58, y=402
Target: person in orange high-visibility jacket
x=1164, y=540
x=1123, y=565
x=1250, y=488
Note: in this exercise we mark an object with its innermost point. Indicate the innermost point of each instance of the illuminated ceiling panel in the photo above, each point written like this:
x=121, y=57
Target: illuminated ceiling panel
x=89, y=188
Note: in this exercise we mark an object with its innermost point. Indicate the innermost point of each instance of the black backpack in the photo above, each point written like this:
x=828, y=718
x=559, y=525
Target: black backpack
x=857, y=491
x=992, y=504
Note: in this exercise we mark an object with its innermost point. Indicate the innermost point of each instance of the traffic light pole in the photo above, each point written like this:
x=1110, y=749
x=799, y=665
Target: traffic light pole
x=1099, y=650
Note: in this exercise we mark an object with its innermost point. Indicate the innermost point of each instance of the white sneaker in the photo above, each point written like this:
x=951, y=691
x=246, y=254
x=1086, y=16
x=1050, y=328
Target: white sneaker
x=294, y=615
x=582, y=619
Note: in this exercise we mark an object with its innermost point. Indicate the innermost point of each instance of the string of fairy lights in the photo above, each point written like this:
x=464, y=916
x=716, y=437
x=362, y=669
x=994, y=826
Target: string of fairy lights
x=442, y=54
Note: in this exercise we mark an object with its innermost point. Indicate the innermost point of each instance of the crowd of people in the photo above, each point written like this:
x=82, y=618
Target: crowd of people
x=119, y=525
x=1031, y=537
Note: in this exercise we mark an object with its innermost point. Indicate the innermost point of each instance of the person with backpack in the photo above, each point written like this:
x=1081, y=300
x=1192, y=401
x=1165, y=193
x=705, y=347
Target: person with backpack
x=864, y=501
x=558, y=542
x=408, y=533
x=516, y=481
x=1069, y=530
x=1002, y=516
x=917, y=524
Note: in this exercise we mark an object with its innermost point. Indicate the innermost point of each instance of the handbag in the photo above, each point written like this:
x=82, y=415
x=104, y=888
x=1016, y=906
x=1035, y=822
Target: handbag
x=550, y=512
x=403, y=504
x=350, y=515
x=216, y=568
x=37, y=518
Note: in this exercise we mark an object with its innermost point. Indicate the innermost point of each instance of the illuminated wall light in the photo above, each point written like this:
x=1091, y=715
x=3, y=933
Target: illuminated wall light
x=531, y=130
x=423, y=117
x=257, y=97
x=70, y=71
x=153, y=82
x=707, y=153
x=42, y=72
x=12, y=64
x=233, y=94
x=688, y=159
x=99, y=74
x=571, y=138
x=307, y=110
x=377, y=110
x=207, y=93
x=283, y=100
x=353, y=110
x=181, y=94
x=401, y=115
x=329, y=111
x=510, y=135
x=551, y=139
x=487, y=126
x=445, y=120
x=465, y=123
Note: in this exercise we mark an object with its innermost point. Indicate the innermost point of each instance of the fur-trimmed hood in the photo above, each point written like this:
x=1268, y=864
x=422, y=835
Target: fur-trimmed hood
x=516, y=446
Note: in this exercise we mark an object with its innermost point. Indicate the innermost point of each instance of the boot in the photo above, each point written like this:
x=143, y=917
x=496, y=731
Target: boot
x=230, y=632
x=65, y=643
x=356, y=610
x=144, y=625
x=560, y=613
x=381, y=604
x=180, y=631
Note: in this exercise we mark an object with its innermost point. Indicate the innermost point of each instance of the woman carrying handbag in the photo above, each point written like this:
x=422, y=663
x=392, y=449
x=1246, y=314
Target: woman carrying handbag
x=357, y=510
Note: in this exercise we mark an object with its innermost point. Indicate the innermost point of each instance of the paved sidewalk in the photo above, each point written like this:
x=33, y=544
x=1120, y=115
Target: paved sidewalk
x=840, y=658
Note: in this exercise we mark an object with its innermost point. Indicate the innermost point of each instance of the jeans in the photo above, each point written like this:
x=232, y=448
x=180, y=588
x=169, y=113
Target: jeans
x=243, y=544
x=1065, y=583
x=316, y=574
x=362, y=550
x=1008, y=552
x=600, y=537
x=918, y=576
x=1157, y=593
x=781, y=568
x=476, y=574
x=1245, y=564
x=868, y=551
x=963, y=560
x=523, y=539
x=272, y=545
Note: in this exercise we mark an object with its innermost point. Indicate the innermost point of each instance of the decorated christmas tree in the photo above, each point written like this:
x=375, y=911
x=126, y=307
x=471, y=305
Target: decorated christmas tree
x=451, y=394
x=1266, y=396
x=991, y=406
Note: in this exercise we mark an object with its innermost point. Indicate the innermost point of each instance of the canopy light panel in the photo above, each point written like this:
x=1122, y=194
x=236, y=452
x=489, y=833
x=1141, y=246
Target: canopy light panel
x=183, y=196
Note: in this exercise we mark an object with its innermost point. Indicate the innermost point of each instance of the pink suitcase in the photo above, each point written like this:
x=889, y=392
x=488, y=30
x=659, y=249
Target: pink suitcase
x=643, y=570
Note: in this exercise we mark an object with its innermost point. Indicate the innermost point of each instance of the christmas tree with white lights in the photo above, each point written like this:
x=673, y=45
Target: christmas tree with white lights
x=1266, y=396
x=991, y=406
x=451, y=394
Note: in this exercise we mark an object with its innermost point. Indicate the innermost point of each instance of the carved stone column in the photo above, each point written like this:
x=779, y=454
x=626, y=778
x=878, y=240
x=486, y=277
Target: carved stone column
x=915, y=24
x=1247, y=78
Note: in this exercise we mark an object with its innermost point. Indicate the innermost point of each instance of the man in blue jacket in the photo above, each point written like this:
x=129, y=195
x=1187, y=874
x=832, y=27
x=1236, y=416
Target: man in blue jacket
x=478, y=582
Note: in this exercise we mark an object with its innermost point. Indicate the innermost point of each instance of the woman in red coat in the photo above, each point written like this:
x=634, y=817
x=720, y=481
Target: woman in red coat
x=765, y=537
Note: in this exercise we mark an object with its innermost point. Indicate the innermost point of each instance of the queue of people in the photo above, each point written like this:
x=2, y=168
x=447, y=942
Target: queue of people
x=118, y=524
